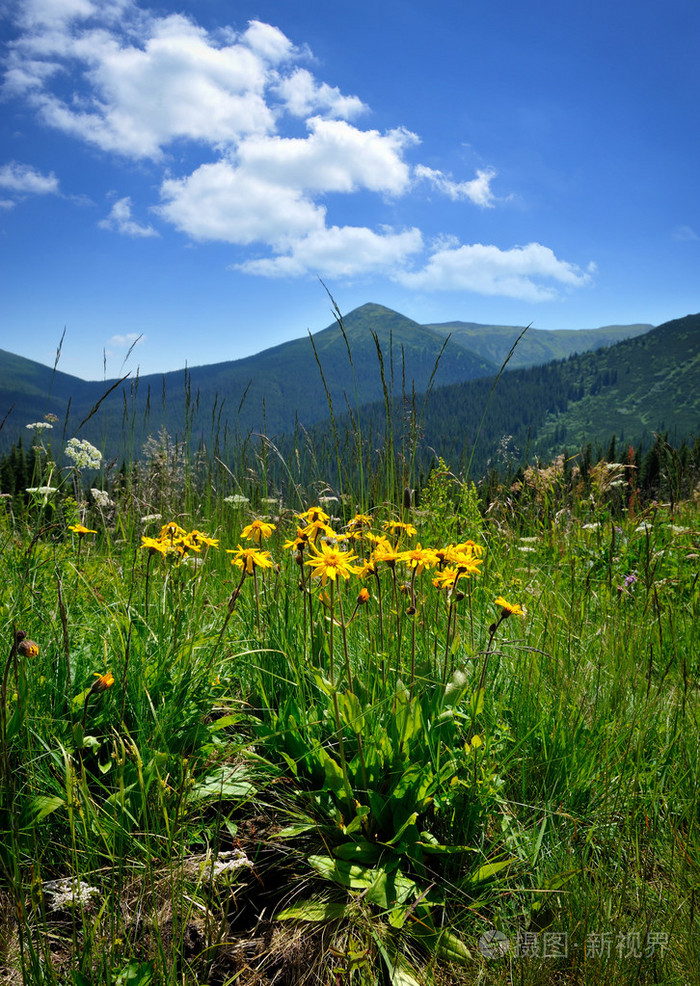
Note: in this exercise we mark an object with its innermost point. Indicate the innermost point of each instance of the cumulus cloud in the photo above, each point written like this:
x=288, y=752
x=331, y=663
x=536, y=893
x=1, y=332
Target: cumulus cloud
x=221, y=202
x=146, y=87
x=345, y=251
x=23, y=179
x=478, y=190
x=304, y=96
x=529, y=273
x=119, y=220
x=335, y=157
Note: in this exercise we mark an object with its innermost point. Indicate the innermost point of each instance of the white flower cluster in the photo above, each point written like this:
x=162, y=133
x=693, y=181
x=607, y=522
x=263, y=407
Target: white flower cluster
x=102, y=499
x=41, y=490
x=82, y=454
x=237, y=500
x=226, y=864
x=68, y=893
x=39, y=426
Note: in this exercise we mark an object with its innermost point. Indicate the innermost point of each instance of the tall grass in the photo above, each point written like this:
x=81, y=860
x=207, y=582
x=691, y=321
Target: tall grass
x=468, y=753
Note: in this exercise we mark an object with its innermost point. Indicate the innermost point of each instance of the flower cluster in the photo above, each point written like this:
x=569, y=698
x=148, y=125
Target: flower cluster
x=174, y=540
x=82, y=454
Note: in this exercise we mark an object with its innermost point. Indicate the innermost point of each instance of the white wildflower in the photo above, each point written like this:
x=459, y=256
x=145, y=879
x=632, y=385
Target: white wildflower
x=83, y=454
x=41, y=490
x=149, y=517
x=237, y=500
x=102, y=498
x=68, y=893
x=40, y=426
x=226, y=863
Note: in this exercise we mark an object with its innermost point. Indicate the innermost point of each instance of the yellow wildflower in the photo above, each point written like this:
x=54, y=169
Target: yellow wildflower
x=316, y=527
x=313, y=514
x=398, y=527
x=155, y=545
x=508, y=609
x=171, y=532
x=250, y=559
x=330, y=562
x=419, y=558
x=104, y=681
x=386, y=553
x=198, y=538
x=258, y=531
x=360, y=520
x=300, y=541
x=80, y=530
x=26, y=647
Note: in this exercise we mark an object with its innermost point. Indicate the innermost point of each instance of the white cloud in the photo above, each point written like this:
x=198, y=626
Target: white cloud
x=268, y=41
x=335, y=157
x=221, y=202
x=303, y=96
x=525, y=272
x=140, y=85
x=25, y=180
x=43, y=13
x=174, y=83
x=478, y=190
x=125, y=341
x=345, y=251
x=119, y=220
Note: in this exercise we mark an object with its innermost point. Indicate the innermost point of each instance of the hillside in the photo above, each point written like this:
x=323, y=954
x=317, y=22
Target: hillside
x=494, y=342
x=632, y=390
x=273, y=391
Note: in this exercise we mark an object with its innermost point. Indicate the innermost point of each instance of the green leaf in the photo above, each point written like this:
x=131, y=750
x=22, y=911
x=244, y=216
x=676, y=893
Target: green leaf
x=489, y=870
x=223, y=783
x=335, y=781
x=314, y=910
x=223, y=722
x=361, y=812
x=295, y=829
x=452, y=949
x=41, y=806
x=135, y=974
x=361, y=851
x=476, y=706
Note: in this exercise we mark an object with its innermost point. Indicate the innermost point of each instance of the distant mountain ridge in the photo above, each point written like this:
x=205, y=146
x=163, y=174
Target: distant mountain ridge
x=639, y=387
x=376, y=349
x=493, y=342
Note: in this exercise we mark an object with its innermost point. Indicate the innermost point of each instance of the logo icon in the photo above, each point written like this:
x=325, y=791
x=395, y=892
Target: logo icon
x=494, y=944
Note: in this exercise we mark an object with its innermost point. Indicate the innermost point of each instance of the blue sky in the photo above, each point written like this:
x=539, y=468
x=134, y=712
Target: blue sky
x=189, y=172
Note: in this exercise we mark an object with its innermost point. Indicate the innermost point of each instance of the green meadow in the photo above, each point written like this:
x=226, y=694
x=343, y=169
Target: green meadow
x=256, y=732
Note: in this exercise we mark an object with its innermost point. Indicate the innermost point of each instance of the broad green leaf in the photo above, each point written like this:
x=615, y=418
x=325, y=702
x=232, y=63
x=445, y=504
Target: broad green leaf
x=361, y=812
x=314, y=910
x=222, y=784
x=476, y=706
x=296, y=828
x=361, y=851
x=41, y=806
x=223, y=722
x=452, y=949
x=489, y=870
x=335, y=781
x=455, y=688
